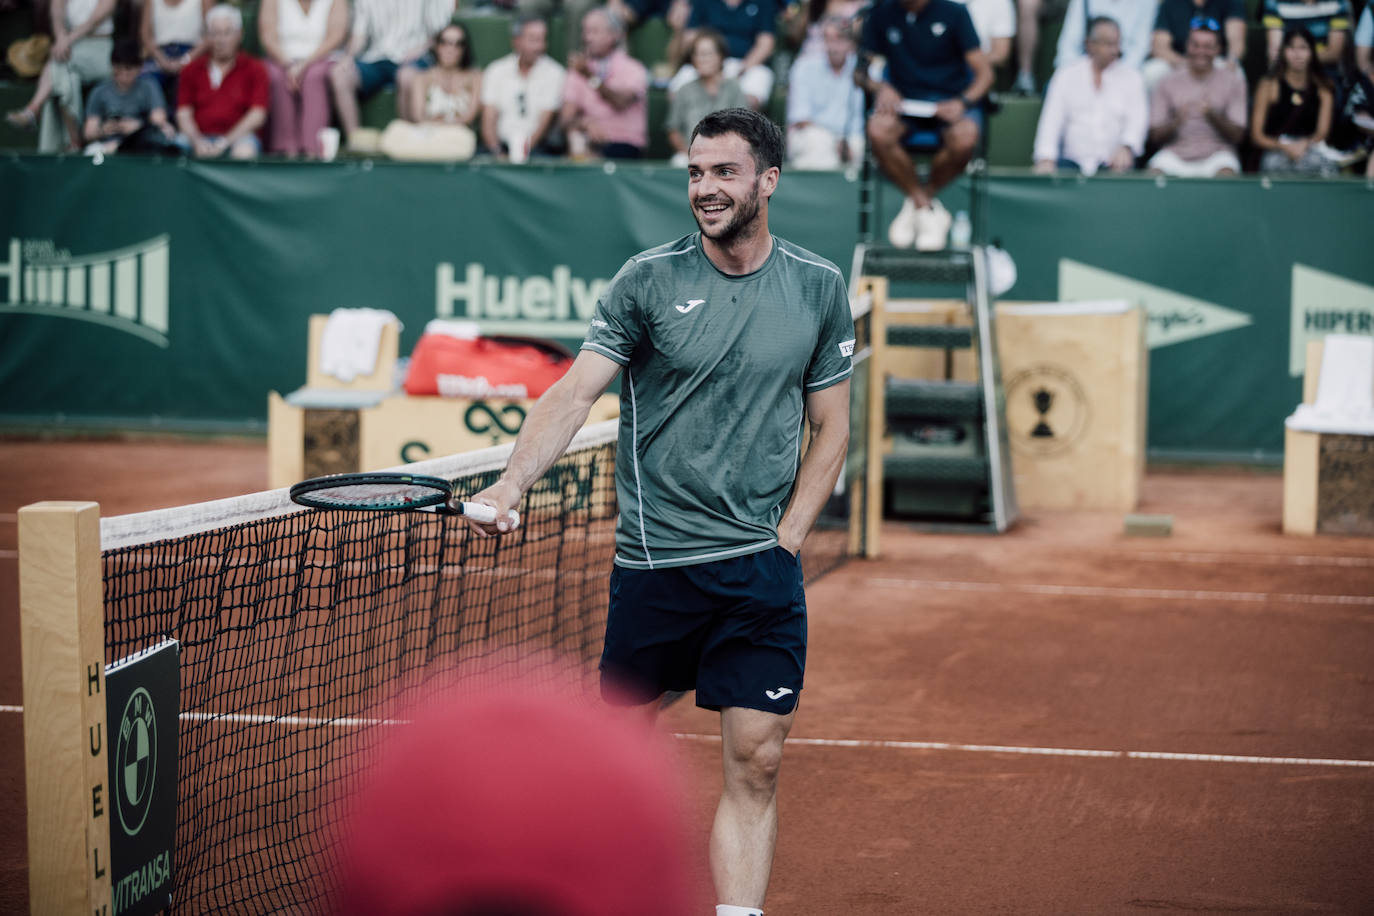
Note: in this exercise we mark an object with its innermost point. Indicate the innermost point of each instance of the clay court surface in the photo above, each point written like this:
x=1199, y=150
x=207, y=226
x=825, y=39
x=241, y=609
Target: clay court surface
x=1058, y=720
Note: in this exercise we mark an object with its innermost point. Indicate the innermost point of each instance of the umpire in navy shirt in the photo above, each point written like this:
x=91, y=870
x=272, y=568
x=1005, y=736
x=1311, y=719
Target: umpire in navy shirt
x=923, y=51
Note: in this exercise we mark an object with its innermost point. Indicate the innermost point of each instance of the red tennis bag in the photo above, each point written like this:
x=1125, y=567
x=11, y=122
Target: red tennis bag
x=485, y=367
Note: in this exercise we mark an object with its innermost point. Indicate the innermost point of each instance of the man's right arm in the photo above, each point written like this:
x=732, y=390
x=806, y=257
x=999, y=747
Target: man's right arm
x=548, y=428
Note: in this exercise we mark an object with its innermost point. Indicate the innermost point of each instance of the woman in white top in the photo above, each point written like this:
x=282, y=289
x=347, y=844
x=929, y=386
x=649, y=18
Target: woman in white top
x=172, y=32
x=443, y=102
x=298, y=37
x=80, y=56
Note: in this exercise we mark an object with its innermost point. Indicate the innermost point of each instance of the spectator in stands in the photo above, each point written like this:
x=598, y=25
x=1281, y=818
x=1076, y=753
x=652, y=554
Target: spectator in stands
x=748, y=29
x=1364, y=41
x=1328, y=22
x=1095, y=112
x=223, y=96
x=521, y=95
x=1027, y=43
x=1135, y=20
x=1352, y=127
x=444, y=103
x=80, y=56
x=1292, y=113
x=711, y=91
x=1174, y=27
x=634, y=13
x=803, y=22
x=173, y=32
x=930, y=57
x=995, y=22
x=605, y=99
x=298, y=40
x=574, y=11
x=387, y=35
x=825, y=109
x=123, y=105
x=1197, y=114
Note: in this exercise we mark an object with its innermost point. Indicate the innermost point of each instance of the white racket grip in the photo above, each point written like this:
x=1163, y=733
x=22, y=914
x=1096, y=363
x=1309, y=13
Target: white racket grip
x=485, y=514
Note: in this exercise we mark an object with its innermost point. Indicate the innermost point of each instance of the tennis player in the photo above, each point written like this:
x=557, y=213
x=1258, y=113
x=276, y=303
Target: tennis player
x=728, y=337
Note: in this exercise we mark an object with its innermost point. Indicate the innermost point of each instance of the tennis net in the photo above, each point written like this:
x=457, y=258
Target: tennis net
x=302, y=630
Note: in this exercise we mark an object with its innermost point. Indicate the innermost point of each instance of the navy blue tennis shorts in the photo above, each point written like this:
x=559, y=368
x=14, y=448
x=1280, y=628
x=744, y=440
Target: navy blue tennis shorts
x=732, y=630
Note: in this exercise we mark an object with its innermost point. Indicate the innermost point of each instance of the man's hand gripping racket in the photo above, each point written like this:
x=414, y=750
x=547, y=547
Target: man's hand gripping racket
x=489, y=512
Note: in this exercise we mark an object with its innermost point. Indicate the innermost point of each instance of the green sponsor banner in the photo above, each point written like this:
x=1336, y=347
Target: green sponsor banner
x=1236, y=275
x=147, y=292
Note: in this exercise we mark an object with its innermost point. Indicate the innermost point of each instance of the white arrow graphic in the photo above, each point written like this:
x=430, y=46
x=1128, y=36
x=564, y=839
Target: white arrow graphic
x=1173, y=317
x=1324, y=304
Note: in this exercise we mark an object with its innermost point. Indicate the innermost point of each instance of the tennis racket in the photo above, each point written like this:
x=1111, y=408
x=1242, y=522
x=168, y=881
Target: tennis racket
x=390, y=493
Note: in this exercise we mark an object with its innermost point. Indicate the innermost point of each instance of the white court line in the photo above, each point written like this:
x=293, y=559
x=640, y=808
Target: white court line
x=1252, y=559
x=349, y=722
x=1055, y=751
x=1099, y=591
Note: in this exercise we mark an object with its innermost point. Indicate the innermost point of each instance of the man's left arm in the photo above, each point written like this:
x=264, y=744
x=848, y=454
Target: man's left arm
x=103, y=10
x=1234, y=27
x=764, y=43
x=626, y=85
x=953, y=110
x=827, y=413
x=256, y=115
x=1135, y=126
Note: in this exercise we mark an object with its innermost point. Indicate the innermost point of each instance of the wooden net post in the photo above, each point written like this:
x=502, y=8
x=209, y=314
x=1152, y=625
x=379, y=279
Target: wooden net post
x=65, y=738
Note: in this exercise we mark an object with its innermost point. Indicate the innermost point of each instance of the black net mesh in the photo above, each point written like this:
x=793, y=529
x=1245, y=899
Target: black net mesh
x=298, y=631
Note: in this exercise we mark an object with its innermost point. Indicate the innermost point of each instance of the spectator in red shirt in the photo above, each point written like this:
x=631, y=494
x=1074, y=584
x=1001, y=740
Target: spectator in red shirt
x=222, y=99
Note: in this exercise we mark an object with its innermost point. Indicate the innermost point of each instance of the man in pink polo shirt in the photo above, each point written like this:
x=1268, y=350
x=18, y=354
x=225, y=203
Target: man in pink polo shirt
x=605, y=98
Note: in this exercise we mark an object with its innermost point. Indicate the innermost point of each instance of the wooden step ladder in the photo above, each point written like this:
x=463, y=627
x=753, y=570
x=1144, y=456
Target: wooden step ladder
x=935, y=450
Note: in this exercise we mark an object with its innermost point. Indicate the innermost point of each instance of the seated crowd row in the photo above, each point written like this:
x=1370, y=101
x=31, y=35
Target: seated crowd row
x=927, y=65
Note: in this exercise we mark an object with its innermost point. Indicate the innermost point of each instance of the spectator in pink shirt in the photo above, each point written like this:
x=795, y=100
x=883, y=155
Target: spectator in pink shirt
x=605, y=98
x=1197, y=114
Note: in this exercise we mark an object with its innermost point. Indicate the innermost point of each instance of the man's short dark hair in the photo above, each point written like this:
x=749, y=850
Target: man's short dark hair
x=762, y=135
x=1102, y=20
x=518, y=24
x=126, y=53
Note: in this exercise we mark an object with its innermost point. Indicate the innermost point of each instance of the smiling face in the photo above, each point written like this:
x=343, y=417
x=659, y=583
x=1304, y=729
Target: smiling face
x=224, y=38
x=449, y=46
x=1203, y=46
x=1297, y=53
x=125, y=75
x=725, y=190
x=706, y=57
x=1104, y=45
x=531, y=43
x=599, y=38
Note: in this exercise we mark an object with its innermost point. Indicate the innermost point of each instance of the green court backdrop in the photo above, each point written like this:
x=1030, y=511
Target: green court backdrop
x=147, y=293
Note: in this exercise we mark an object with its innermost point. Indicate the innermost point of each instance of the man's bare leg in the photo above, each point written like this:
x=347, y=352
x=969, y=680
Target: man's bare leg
x=885, y=137
x=960, y=141
x=746, y=826
x=344, y=81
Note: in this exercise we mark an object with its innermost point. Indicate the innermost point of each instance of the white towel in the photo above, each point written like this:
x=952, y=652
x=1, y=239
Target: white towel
x=351, y=340
x=449, y=327
x=1345, y=389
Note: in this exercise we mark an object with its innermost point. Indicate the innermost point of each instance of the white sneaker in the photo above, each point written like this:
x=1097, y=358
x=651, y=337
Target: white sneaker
x=934, y=231
x=906, y=227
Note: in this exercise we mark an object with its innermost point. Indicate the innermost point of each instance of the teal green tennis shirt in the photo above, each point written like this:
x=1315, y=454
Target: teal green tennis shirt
x=711, y=405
